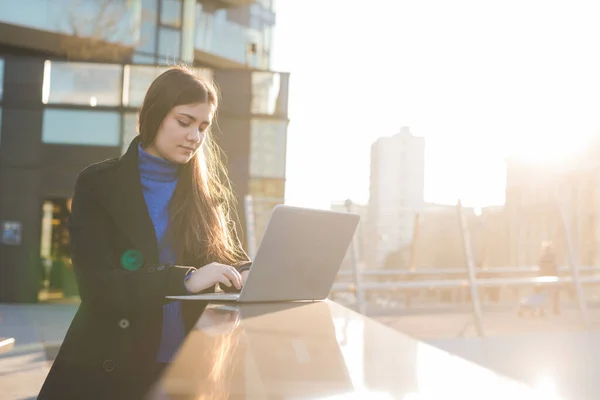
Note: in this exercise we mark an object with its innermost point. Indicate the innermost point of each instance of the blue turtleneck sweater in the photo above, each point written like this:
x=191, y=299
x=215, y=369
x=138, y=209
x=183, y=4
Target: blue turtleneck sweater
x=159, y=178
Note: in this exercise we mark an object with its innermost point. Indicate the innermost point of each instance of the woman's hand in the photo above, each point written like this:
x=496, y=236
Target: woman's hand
x=211, y=274
x=244, y=275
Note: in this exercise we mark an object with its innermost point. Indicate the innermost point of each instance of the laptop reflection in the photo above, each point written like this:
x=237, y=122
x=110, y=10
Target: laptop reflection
x=258, y=351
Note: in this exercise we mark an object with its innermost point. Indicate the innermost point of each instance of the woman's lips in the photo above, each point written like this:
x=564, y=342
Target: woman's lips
x=188, y=149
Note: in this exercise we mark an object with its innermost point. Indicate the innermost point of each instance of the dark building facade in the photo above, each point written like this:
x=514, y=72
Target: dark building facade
x=58, y=115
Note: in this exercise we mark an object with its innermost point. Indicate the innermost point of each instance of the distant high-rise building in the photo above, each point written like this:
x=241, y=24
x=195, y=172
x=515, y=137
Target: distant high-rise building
x=396, y=193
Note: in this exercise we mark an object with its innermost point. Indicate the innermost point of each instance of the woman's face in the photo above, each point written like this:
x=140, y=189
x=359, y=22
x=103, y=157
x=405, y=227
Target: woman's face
x=181, y=133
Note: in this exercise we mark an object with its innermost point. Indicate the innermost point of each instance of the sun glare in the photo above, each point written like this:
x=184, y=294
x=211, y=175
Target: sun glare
x=548, y=150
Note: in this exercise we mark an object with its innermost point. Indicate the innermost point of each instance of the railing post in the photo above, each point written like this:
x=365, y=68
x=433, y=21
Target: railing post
x=412, y=258
x=573, y=263
x=475, y=300
x=358, y=289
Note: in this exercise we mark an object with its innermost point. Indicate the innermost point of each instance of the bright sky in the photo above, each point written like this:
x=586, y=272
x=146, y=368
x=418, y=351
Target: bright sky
x=478, y=79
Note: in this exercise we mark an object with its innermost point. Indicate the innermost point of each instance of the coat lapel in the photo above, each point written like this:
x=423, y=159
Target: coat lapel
x=125, y=202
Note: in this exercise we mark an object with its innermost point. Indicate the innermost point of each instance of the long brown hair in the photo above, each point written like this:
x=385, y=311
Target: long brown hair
x=201, y=211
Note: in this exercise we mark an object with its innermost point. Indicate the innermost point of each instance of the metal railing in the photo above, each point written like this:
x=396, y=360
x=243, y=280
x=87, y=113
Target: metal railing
x=460, y=271
x=471, y=281
x=464, y=283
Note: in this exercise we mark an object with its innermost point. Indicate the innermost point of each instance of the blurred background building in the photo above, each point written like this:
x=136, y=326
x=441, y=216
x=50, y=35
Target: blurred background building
x=537, y=194
x=396, y=193
x=73, y=74
x=401, y=231
x=439, y=239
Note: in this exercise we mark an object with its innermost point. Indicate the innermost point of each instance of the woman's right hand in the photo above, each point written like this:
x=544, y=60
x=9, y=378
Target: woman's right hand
x=211, y=274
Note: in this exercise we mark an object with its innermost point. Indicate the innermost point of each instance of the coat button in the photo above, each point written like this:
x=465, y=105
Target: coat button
x=150, y=270
x=124, y=323
x=108, y=365
x=160, y=267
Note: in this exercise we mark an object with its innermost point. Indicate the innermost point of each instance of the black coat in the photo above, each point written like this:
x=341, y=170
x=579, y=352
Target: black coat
x=110, y=348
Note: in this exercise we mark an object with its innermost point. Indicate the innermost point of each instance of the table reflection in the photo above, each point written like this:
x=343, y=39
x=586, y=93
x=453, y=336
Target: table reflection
x=257, y=350
x=317, y=350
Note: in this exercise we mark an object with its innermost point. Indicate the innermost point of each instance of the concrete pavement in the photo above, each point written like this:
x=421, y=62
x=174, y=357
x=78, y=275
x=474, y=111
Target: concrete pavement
x=39, y=330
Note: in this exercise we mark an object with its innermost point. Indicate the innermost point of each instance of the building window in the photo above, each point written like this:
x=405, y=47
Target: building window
x=266, y=193
x=267, y=148
x=169, y=45
x=204, y=28
x=82, y=83
x=230, y=33
x=81, y=127
x=138, y=58
x=169, y=33
x=266, y=93
x=1, y=77
x=111, y=20
x=265, y=90
x=137, y=81
x=267, y=188
x=170, y=13
x=138, y=78
x=130, y=130
x=147, y=42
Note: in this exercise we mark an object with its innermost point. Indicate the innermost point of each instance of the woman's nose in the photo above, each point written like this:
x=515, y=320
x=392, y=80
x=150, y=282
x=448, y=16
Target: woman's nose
x=195, y=136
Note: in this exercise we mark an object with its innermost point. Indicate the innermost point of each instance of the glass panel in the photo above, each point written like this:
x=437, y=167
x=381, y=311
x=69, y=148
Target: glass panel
x=239, y=15
x=267, y=4
x=268, y=148
x=142, y=59
x=82, y=127
x=169, y=44
x=266, y=194
x=139, y=78
x=228, y=38
x=216, y=34
x=273, y=188
x=114, y=21
x=203, y=29
x=82, y=83
x=265, y=92
x=147, y=41
x=170, y=13
x=282, y=101
x=150, y=7
x=130, y=130
x=1, y=77
x=267, y=43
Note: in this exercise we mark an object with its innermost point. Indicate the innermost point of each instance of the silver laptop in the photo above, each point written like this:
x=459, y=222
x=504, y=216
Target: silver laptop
x=298, y=258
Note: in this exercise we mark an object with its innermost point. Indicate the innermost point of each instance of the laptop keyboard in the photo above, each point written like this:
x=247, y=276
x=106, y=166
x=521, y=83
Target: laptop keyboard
x=226, y=296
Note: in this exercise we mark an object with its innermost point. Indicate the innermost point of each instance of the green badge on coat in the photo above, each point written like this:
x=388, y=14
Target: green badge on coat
x=132, y=260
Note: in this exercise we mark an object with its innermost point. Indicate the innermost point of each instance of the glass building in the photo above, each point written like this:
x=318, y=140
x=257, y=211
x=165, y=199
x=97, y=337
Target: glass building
x=69, y=97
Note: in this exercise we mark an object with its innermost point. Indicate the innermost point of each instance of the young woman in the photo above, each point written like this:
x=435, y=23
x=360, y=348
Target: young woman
x=153, y=223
